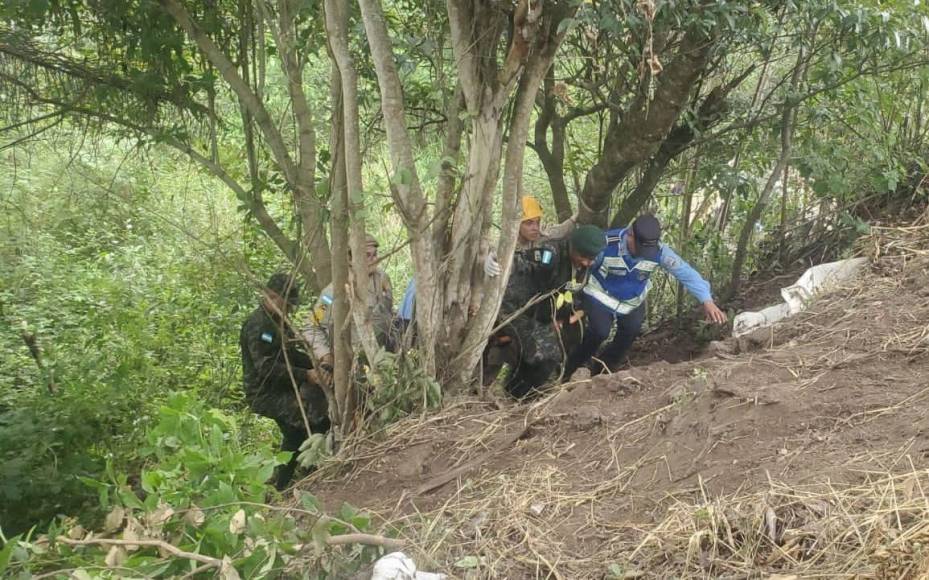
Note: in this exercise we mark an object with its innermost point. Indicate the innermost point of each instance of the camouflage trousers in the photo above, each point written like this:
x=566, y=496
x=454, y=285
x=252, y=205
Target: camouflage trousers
x=538, y=355
x=283, y=407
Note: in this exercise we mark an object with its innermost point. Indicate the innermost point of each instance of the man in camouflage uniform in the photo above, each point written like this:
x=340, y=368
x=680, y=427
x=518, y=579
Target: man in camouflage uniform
x=272, y=364
x=531, y=233
x=318, y=329
x=548, y=279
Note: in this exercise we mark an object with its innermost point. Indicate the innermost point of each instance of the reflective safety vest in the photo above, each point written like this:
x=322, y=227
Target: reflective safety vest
x=619, y=280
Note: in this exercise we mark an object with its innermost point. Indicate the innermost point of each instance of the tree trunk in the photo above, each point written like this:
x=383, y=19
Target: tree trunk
x=643, y=127
x=680, y=138
x=552, y=159
x=786, y=130
x=480, y=325
x=782, y=230
x=342, y=354
x=406, y=188
x=358, y=283
x=686, y=210
x=299, y=175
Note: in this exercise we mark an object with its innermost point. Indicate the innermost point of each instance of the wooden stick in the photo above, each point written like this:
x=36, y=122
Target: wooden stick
x=174, y=550
x=367, y=539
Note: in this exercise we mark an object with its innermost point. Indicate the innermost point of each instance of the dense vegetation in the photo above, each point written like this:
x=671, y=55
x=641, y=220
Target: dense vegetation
x=159, y=159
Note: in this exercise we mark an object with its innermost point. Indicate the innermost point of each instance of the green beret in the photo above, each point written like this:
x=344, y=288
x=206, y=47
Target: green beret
x=588, y=241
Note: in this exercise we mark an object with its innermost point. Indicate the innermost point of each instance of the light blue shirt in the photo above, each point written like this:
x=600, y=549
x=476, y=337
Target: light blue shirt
x=408, y=303
x=685, y=274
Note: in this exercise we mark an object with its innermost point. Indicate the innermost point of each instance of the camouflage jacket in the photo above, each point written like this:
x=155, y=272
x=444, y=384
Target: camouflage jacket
x=264, y=366
x=545, y=269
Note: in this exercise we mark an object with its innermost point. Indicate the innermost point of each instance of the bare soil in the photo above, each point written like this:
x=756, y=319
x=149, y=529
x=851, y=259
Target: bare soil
x=570, y=485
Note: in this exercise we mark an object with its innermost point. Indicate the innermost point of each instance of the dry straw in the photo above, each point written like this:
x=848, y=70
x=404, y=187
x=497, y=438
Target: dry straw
x=544, y=518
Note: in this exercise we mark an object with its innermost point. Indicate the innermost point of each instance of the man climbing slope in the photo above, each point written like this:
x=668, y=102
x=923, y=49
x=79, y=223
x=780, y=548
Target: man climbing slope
x=272, y=364
x=614, y=299
x=540, y=297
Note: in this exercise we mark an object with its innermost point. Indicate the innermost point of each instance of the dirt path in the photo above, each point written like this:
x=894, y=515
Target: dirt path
x=569, y=486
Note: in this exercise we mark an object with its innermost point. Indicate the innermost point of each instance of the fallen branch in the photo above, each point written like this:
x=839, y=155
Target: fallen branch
x=367, y=539
x=173, y=550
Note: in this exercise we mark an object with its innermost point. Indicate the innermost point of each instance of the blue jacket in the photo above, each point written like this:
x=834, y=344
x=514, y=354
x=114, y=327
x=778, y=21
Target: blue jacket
x=620, y=281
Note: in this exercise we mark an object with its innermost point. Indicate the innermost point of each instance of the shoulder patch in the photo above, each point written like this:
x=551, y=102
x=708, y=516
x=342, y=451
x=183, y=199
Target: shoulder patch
x=267, y=337
x=326, y=299
x=545, y=256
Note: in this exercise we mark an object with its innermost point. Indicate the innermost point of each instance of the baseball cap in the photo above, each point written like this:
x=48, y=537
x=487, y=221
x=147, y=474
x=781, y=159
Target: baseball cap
x=647, y=232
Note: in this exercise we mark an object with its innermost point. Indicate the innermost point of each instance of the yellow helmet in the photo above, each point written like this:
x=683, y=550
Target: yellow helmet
x=532, y=209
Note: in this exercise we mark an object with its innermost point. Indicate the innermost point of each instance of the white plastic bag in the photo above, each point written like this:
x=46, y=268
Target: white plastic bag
x=399, y=566
x=797, y=296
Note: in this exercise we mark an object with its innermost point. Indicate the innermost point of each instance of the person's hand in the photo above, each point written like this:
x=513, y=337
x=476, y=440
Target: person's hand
x=713, y=314
x=491, y=266
x=319, y=376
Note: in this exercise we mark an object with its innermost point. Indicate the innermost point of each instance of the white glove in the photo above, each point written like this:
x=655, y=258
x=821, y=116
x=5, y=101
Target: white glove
x=491, y=267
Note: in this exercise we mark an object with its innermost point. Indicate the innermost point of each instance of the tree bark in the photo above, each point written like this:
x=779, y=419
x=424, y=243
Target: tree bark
x=552, y=159
x=679, y=139
x=686, y=210
x=641, y=130
x=342, y=353
x=361, y=305
x=304, y=187
x=538, y=63
x=298, y=176
x=406, y=188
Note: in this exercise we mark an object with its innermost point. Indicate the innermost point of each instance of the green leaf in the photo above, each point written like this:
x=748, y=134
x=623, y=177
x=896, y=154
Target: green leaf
x=320, y=533
x=468, y=562
x=347, y=511
x=6, y=552
x=309, y=502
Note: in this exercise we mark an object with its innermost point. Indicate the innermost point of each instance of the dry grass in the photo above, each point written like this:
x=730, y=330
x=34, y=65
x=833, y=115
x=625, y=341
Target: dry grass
x=547, y=518
x=877, y=529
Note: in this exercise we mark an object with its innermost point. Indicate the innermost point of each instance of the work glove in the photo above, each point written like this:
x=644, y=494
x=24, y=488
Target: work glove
x=491, y=267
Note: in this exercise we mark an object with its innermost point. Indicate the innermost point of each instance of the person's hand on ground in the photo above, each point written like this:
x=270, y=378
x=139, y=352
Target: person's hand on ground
x=713, y=313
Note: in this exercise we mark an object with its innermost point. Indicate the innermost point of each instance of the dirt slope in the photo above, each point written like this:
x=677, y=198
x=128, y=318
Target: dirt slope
x=639, y=474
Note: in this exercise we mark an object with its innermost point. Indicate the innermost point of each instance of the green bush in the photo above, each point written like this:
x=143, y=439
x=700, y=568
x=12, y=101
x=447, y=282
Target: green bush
x=202, y=492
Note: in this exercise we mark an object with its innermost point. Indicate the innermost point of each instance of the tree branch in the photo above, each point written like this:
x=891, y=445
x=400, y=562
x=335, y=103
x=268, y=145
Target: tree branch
x=228, y=70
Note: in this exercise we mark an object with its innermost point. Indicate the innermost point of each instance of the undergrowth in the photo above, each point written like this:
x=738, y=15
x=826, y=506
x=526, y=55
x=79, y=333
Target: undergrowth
x=199, y=506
